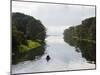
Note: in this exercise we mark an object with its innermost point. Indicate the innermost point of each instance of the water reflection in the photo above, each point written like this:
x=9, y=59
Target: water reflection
x=88, y=49
x=32, y=54
x=63, y=57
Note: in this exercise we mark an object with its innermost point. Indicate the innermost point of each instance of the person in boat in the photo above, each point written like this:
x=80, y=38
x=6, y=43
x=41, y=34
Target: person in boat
x=48, y=58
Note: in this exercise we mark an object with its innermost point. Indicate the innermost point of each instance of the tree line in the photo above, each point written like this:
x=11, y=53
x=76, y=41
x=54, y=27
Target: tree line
x=84, y=37
x=28, y=34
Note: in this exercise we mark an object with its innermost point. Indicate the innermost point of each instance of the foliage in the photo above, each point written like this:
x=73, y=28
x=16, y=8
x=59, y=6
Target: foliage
x=84, y=37
x=28, y=34
x=31, y=44
x=31, y=27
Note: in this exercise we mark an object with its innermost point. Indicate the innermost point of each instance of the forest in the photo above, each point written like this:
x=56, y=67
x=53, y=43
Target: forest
x=28, y=37
x=83, y=36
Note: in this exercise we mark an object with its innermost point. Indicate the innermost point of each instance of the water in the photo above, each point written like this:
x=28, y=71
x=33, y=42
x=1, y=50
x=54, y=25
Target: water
x=63, y=57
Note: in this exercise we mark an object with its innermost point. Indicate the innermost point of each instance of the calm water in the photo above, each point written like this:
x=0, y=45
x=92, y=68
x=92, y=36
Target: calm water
x=63, y=57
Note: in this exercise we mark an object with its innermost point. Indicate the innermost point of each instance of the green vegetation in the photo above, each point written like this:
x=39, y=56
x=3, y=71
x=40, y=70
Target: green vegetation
x=84, y=37
x=28, y=35
x=31, y=44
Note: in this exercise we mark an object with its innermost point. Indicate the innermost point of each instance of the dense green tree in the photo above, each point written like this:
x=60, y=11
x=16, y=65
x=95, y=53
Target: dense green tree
x=84, y=37
x=31, y=27
x=28, y=33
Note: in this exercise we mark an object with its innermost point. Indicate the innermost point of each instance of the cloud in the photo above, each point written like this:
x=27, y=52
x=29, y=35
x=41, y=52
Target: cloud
x=55, y=15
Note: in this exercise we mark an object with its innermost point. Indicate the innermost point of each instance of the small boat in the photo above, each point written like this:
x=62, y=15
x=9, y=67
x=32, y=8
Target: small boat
x=48, y=58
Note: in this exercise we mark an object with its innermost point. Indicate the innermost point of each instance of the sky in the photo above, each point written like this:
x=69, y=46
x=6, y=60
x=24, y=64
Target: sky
x=55, y=17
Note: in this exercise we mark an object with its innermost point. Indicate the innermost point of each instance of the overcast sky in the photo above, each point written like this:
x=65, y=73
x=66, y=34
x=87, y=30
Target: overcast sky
x=55, y=17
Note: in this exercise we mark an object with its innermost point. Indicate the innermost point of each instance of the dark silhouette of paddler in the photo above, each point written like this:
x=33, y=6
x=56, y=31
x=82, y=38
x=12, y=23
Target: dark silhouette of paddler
x=48, y=58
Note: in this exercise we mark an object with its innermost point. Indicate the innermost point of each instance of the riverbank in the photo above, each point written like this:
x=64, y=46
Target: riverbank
x=63, y=57
x=28, y=37
x=83, y=36
x=29, y=52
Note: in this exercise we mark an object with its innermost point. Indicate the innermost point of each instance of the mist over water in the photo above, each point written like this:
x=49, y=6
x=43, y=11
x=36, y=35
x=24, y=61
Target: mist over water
x=56, y=30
